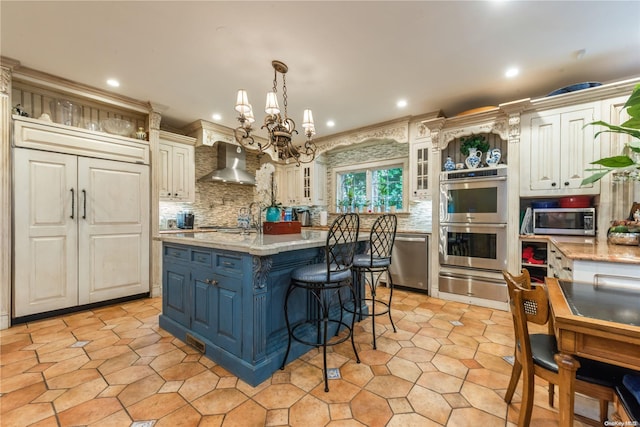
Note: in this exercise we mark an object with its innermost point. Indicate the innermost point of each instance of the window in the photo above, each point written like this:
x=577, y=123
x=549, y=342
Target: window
x=372, y=186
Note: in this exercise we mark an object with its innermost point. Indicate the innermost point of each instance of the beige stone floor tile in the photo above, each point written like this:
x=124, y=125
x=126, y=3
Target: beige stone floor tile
x=405, y=369
x=156, y=406
x=109, y=352
x=171, y=387
x=139, y=390
x=456, y=400
x=389, y=386
x=27, y=414
x=79, y=394
x=473, y=417
x=198, y=385
x=356, y=373
x=182, y=371
x=185, y=416
x=277, y=417
x=69, y=366
x=117, y=362
x=411, y=420
x=16, y=382
x=17, y=398
x=89, y=412
x=371, y=409
x=340, y=411
x=483, y=399
x=129, y=375
x=340, y=391
x=117, y=419
x=248, y=414
x=279, y=396
x=450, y=365
x=309, y=411
x=18, y=367
x=51, y=421
x=429, y=404
x=440, y=382
x=168, y=359
x=227, y=382
x=10, y=357
x=221, y=401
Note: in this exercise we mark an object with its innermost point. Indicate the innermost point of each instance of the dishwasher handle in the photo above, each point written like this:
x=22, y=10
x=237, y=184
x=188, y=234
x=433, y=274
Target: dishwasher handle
x=410, y=239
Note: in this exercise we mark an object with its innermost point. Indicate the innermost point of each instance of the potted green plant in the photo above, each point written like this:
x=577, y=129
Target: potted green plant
x=627, y=164
x=479, y=142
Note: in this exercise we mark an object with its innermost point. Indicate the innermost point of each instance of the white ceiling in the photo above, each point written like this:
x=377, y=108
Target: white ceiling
x=350, y=61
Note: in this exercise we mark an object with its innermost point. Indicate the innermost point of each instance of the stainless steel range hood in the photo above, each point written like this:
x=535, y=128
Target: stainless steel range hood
x=232, y=165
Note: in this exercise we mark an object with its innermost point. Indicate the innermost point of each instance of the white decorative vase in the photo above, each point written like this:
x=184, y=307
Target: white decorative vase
x=473, y=159
x=493, y=157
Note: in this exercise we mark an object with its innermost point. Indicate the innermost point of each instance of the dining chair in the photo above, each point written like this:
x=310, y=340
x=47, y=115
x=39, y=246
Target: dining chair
x=369, y=268
x=323, y=284
x=534, y=355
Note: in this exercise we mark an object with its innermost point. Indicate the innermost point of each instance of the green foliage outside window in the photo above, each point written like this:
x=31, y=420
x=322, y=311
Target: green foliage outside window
x=383, y=189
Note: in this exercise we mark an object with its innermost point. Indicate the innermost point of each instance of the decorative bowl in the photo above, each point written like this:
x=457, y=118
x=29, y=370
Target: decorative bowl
x=630, y=239
x=117, y=126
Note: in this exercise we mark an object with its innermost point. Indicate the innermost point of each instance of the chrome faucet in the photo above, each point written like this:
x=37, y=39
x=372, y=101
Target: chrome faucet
x=256, y=224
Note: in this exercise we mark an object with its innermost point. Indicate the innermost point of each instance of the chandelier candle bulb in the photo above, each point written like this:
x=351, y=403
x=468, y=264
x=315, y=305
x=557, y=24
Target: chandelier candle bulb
x=242, y=102
x=307, y=119
x=272, y=106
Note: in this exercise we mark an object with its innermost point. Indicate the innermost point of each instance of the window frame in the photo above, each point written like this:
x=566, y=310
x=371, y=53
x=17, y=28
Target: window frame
x=368, y=167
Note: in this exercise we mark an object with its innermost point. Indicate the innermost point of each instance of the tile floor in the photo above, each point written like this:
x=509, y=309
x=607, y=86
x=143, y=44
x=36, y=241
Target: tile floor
x=114, y=366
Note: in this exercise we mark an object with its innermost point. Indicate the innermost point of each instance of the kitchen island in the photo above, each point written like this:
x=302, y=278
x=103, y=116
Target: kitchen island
x=223, y=293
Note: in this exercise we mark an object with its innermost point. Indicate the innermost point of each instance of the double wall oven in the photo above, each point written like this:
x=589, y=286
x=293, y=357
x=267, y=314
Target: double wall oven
x=473, y=233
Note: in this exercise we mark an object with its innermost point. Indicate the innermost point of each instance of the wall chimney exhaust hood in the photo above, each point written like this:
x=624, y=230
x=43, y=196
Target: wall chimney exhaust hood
x=232, y=165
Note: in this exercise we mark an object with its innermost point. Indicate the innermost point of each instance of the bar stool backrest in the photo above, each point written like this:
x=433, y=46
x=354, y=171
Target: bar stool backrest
x=341, y=243
x=383, y=235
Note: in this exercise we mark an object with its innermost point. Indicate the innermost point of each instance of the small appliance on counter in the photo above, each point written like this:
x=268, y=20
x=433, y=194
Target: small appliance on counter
x=304, y=216
x=185, y=220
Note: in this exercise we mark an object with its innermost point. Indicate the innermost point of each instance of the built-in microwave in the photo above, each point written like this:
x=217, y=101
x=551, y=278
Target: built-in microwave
x=474, y=196
x=571, y=221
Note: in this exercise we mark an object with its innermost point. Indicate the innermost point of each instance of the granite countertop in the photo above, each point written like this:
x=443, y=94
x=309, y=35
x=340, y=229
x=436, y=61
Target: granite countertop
x=592, y=249
x=252, y=243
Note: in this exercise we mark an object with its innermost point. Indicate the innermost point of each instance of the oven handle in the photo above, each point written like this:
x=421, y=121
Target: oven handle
x=467, y=224
x=466, y=180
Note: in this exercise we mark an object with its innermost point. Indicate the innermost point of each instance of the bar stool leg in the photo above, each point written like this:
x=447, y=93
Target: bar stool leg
x=286, y=319
x=390, y=283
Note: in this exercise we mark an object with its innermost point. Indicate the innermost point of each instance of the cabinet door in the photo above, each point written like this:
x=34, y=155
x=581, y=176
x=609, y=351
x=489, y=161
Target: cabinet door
x=294, y=185
x=203, y=301
x=45, y=230
x=183, y=173
x=228, y=314
x=577, y=148
x=419, y=169
x=165, y=186
x=541, y=153
x=176, y=285
x=113, y=209
x=319, y=183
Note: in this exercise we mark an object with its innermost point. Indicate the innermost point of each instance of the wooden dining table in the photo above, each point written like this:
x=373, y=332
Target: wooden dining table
x=595, y=321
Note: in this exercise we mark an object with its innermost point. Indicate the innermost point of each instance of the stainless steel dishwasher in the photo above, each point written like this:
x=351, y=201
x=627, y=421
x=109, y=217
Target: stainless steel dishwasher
x=410, y=261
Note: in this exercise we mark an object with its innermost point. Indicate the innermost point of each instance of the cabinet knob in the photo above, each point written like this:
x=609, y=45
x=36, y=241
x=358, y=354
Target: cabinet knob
x=168, y=194
x=175, y=194
x=553, y=184
x=211, y=282
x=566, y=183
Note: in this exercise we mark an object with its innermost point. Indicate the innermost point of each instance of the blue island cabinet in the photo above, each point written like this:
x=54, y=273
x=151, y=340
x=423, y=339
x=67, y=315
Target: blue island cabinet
x=230, y=305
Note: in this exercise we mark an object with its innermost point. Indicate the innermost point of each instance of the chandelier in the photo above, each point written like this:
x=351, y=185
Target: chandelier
x=280, y=127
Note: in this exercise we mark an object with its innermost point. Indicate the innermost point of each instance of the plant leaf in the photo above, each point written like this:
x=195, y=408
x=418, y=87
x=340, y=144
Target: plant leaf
x=615, y=162
x=595, y=177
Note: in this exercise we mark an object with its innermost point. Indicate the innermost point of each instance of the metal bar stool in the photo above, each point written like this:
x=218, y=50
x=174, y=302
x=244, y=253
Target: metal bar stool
x=376, y=262
x=323, y=283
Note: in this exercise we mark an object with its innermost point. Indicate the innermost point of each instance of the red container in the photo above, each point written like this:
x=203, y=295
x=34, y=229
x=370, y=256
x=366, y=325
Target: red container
x=282, y=227
x=575, y=202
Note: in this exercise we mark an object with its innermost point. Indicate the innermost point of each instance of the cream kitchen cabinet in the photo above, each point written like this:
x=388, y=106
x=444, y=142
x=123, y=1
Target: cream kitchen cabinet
x=289, y=185
x=81, y=224
x=314, y=183
x=177, y=167
x=556, y=148
x=419, y=169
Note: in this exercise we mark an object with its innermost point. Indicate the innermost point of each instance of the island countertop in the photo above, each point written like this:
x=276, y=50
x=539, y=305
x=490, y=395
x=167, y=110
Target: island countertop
x=253, y=243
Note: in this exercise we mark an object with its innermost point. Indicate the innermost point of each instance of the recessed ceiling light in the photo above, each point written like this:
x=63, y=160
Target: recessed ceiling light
x=331, y=123
x=402, y=103
x=512, y=72
x=216, y=116
x=113, y=83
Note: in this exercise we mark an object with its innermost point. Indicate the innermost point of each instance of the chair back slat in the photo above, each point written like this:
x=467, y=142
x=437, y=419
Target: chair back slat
x=383, y=235
x=535, y=302
x=341, y=242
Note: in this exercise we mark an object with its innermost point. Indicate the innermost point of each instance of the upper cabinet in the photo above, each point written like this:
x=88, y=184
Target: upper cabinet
x=177, y=167
x=302, y=185
x=556, y=148
x=420, y=146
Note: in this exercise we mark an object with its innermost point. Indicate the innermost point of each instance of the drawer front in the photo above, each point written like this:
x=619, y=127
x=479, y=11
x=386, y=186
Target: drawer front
x=228, y=264
x=202, y=258
x=175, y=253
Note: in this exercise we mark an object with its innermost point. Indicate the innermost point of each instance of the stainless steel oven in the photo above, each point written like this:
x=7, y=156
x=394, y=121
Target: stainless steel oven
x=475, y=195
x=476, y=245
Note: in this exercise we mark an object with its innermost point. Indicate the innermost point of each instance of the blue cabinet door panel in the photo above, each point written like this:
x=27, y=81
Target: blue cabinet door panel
x=229, y=315
x=204, y=291
x=175, y=301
